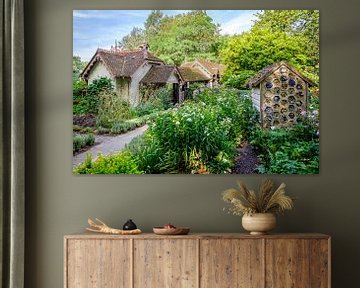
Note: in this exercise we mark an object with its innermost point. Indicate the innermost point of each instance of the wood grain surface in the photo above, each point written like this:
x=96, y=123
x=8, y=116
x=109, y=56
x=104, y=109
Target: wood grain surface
x=231, y=263
x=165, y=263
x=197, y=261
x=98, y=263
x=287, y=263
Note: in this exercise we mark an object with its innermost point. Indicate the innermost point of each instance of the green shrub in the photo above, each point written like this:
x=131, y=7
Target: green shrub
x=120, y=163
x=87, y=130
x=198, y=137
x=288, y=150
x=93, y=91
x=233, y=105
x=77, y=128
x=147, y=153
x=80, y=141
x=159, y=100
x=79, y=97
x=112, y=109
x=238, y=80
x=122, y=127
x=86, y=97
x=102, y=130
x=193, y=126
x=193, y=90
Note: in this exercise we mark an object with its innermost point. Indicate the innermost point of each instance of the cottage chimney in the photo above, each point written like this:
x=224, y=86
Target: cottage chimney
x=145, y=47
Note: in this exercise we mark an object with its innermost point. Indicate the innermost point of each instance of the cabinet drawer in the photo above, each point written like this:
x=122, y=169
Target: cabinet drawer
x=98, y=263
x=165, y=263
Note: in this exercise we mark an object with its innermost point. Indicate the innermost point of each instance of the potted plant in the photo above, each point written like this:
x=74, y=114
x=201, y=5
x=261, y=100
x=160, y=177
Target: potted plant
x=258, y=210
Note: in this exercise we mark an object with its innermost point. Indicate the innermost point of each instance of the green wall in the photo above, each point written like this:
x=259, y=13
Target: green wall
x=59, y=203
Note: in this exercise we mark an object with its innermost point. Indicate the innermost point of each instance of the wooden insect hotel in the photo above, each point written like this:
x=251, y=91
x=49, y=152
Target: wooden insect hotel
x=280, y=93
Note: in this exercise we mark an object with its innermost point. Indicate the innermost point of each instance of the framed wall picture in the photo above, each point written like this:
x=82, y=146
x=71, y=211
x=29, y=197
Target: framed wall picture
x=196, y=92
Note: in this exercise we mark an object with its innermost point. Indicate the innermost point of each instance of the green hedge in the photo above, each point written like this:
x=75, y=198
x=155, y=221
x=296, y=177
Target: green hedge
x=288, y=150
x=81, y=141
x=120, y=163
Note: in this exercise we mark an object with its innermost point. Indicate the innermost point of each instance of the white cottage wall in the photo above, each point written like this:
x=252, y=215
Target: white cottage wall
x=99, y=70
x=134, y=93
x=122, y=88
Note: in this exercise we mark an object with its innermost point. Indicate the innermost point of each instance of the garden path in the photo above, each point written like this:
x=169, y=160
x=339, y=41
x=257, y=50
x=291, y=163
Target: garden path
x=246, y=160
x=107, y=145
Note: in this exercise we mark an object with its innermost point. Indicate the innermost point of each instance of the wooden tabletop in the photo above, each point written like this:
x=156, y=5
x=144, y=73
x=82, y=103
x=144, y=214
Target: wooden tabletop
x=89, y=235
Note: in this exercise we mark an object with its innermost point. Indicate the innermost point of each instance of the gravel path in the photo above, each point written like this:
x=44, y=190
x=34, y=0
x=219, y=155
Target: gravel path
x=246, y=160
x=107, y=145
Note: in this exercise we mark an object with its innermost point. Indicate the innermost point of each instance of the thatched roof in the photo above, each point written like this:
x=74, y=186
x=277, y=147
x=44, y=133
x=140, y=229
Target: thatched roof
x=190, y=74
x=213, y=67
x=262, y=74
x=120, y=63
x=210, y=67
x=159, y=74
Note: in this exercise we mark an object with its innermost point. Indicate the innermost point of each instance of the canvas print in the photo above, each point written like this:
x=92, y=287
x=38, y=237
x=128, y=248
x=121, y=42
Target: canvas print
x=196, y=92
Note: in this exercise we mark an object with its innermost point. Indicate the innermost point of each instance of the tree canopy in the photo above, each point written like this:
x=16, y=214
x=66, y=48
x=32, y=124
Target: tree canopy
x=78, y=66
x=290, y=35
x=179, y=38
x=261, y=47
x=303, y=23
x=134, y=39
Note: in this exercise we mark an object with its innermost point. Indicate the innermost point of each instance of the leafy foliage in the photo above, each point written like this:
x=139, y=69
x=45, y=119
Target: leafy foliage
x=245, y=201
x=82, y=140
x=179, y=38
x=86, y=98
x=120, y=163
x=186, y=37
x=79, y=97
x=147, y=153
x=112, y=109
x=192, y=126
x=238, y=80
x=154, y=100
x=290, y=35
x=288, y=151
x=258, y=48
x=134, y=39
x=119, y=127
x=139, y=36
x=201, y=136
x=198, y=137
x=78, y=66
x=303, y=23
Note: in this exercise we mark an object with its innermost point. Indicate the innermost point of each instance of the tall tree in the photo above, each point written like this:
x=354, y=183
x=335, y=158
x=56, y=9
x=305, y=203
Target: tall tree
x=294, y=22
x=134, y=39
x=186, y=37
x=290, y=35
x=179, y=38
x=138, y=36
x=78, y=66
x=153, y=22
x=261, y=47
x=251, y=51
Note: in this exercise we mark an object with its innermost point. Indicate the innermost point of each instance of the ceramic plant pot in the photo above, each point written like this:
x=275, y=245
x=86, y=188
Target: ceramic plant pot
x=259, y=223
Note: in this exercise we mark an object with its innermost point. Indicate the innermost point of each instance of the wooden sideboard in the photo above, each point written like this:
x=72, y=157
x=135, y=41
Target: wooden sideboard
x=197, y=261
